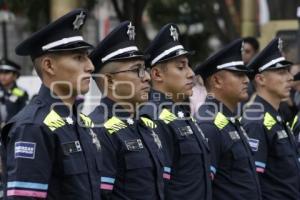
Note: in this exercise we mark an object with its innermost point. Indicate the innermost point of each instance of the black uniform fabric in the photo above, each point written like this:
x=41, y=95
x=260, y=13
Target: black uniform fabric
x=49, y=153
x=133, y=161
x=14, y=99
x=276, y=154
x=232, y=166
x=186, y=150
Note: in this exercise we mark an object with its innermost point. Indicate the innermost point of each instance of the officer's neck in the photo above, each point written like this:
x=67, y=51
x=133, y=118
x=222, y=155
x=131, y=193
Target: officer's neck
x=128, y=106
x=9, y=86
x=271, y=99
x=68, y=97
x=231, y=104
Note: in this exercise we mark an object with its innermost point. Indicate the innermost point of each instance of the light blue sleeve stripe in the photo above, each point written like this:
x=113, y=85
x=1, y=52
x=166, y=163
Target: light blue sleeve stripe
x=260, y=164
x=107, y=180
x=213, y=169
x=28, y=185
x=167, y=169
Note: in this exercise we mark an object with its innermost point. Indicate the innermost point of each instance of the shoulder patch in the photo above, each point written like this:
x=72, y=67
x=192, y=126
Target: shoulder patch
x=269, y=121
x=18, y=92
x=54, y=121
x=87, y=121
x=167, y=116
x=114, y=124
x=220, y=121
x=148, y=122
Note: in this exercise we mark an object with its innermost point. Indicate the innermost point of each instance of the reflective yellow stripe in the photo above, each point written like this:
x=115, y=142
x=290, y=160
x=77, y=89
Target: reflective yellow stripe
x=167, y=116
x=269, y=121
x=87, y=121
x=294, y=122
x=148, y=122
x=114, y=124
x=221, y=121
x=53, y=121
x=18, y=92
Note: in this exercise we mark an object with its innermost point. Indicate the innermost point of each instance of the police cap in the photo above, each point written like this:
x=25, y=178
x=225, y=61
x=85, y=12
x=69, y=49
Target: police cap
x=228, y=58
x=165, y=46
x=269, y=58
x=119, y=44
x=61, y=35
x=8, y=65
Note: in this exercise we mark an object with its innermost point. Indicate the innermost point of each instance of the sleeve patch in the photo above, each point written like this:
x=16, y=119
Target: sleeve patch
x=254, y=144
x=25, y=150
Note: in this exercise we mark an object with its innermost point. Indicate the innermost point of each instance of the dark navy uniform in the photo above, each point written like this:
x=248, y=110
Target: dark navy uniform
x=133, y=161
x=186, y=149
x=276, y=154
x=14, y=98
x=49, y=150
x=50, y=153
x=232, y=167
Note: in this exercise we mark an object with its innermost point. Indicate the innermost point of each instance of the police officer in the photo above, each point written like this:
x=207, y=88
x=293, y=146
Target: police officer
x=50, y=150
x=132, y=151
x=232, y=167
x=14, y=97
x=276, y=155
x=186, y=150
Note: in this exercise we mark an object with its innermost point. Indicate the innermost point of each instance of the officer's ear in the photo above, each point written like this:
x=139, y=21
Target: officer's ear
x=47, y=65
x=217, y=80
x=157, y=73
x=109, y=80
x=260, y=79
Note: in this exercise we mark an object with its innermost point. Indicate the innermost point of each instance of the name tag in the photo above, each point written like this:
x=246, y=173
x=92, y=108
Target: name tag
x=71, y=147
x=134, y=145
x=234, y=135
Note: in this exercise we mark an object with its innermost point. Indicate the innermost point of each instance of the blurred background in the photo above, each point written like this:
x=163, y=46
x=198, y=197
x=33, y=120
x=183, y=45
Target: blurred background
x=206, y=25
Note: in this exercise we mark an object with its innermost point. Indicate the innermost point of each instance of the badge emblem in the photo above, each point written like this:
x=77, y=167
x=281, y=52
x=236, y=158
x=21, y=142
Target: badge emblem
x=78, y=22
x=156, y=139
x=185, y=131
x=234, y=135
x=131, y=32
x=95, y=140
x=69, y=120
x=174, y=33
x=180, y=114
x=130, y=121
x=280, y=44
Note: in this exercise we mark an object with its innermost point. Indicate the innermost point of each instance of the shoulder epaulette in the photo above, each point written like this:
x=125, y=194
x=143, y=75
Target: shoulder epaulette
x=148, y=122
x=87, y=121
x=221, y=121
x=167, y=116
x=18, y=92
x=114, y=124
x=294, y=122
x=269, y=121
x=54, y=121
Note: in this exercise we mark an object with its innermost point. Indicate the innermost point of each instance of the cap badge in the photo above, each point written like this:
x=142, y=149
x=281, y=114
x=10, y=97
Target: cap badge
x=78, y=22
x=174, y=33
x=131, y=32
x=280, y=44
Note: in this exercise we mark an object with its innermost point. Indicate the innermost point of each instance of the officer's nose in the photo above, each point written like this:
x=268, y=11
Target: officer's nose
x=190, y=74
x=246, y=79
x=89, y=65
x=146, y=77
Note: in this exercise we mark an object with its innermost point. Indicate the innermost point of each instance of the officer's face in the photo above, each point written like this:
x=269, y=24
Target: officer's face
x=131, y=82
x=7, y=78
x=233, y=85
x=248, y=53
x=277, y=82
x=72, y=72
x=176, y=78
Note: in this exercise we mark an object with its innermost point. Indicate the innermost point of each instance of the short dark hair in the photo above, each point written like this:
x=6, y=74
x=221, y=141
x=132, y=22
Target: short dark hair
x=253, y=42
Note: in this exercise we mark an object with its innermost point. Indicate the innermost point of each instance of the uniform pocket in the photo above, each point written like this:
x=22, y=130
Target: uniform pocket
x=74, y=166
x=136, y=160
x=189, y=147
